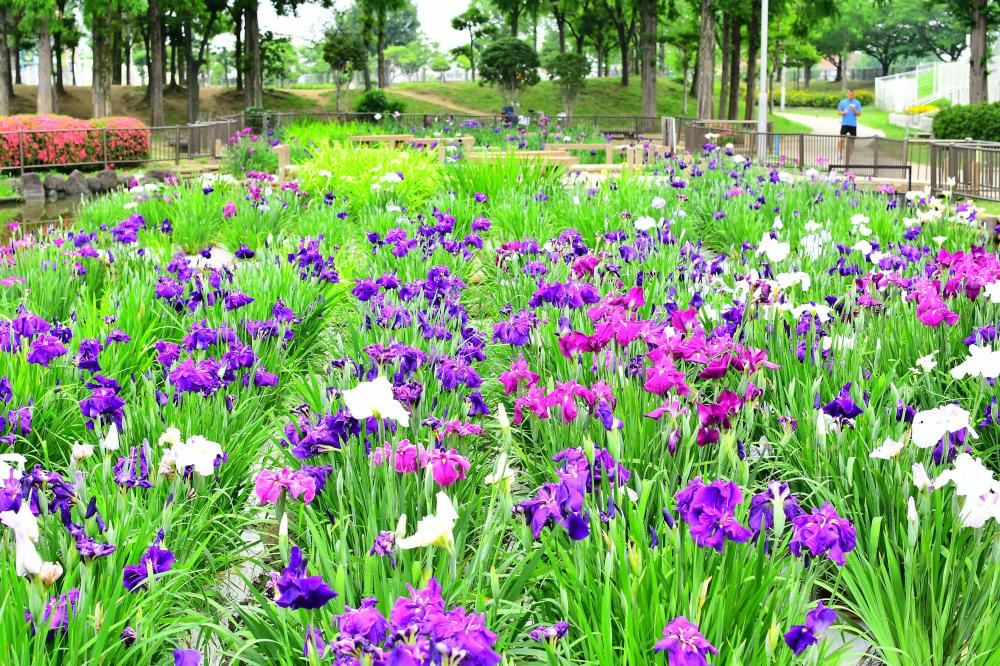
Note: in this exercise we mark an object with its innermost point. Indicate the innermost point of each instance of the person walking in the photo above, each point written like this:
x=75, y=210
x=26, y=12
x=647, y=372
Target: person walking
x=849, y=109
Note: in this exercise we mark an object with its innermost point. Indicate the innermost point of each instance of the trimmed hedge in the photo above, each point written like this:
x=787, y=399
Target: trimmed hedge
x=824, y=100
x=979, y=121
x=65, y=141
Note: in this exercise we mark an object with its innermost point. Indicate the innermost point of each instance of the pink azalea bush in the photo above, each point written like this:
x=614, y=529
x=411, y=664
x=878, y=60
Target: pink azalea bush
x=61, y=140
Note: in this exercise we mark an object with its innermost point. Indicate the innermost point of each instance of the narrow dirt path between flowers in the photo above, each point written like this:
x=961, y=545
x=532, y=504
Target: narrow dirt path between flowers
x=824, y=125
x=436, y=100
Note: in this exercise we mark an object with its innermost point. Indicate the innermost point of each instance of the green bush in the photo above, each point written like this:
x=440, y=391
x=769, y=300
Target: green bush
x=824, y=100
x=979, y=121
x=374, y=101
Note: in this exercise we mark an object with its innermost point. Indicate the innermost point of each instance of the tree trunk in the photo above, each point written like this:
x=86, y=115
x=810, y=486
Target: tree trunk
x=238, y=52
x=127, y=62
x=57, y=49
x=693, y=89
x=734, y=72
x=45, y=104
x=648, y=23
x=4, y=66
x=253, y=85
x=155, y=62
x=977, y=54
x=727, y=24
x=16, y=57
x=72, y=66
x=706, y=61
x=173, y=64
x=808, y=73
x=753, y=45
x=684, y=82
x=383, y=72
x=101, y=85
x=116, y=57
x=623, y=46
x=192, y=75
x=561, y=28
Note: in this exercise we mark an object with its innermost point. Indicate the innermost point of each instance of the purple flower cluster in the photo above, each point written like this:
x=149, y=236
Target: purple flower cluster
x=709, y=511
x=562, y=503
x=420, y=630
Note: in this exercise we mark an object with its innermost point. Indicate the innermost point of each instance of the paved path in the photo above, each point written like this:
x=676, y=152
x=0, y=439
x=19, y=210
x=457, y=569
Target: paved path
x=825, y=125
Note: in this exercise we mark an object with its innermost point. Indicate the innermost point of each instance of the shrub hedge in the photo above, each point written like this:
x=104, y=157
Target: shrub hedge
x=61, y=140
x=978, y=121
x=823, y=99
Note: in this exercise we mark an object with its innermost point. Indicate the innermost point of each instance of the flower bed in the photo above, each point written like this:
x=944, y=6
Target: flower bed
x=64, y=141
x=447, y=414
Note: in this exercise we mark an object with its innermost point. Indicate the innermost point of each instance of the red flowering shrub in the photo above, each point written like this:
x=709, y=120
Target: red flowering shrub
x=61, y=140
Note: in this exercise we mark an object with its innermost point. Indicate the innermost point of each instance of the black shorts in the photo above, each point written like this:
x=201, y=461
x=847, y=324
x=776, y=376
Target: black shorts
x=848, y=129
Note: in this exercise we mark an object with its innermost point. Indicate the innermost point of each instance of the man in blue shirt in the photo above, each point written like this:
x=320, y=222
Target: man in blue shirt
x=849, y=109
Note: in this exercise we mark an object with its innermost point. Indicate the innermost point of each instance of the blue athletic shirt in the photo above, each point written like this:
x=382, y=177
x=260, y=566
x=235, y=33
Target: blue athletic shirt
x=852, y=106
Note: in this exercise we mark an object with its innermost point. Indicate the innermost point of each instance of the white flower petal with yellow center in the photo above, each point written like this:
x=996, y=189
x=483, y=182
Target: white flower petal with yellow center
x=435, y=529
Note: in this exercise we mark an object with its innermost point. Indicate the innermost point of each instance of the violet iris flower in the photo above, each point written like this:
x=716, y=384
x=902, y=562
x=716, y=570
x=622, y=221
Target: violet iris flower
x=297, y=590
x=684, y=644
x=823, y=532
x=818, y=620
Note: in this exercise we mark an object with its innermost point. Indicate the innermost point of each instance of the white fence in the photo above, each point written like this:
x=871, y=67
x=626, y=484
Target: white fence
x=933, y=81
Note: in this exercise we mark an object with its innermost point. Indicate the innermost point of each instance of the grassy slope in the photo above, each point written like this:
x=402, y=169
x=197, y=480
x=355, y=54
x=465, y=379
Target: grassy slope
x=600, y=97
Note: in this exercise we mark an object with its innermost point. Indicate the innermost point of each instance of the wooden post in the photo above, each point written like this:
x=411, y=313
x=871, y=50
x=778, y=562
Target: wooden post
x=609, y=154
x=284, y=153
x=442, y=151
x=218, y=148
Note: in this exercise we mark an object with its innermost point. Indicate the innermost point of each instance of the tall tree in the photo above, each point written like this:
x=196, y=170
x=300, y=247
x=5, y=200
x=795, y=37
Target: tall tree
x=253, y=79
x=706, y=61
x=623, y=18
x=890, y=32
x=379, y=10
x=155, y=58
x=476, y=23
x=5, y=89
x=345, y=52
x=648, y=27
x=201, y=21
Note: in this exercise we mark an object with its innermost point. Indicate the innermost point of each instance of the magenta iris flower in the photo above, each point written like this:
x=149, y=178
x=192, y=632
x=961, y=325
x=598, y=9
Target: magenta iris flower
x=447, y=467
x=684, y=644
x=364, y=623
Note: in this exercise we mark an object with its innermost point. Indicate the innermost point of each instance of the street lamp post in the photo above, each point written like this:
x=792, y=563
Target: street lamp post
x=762, y=94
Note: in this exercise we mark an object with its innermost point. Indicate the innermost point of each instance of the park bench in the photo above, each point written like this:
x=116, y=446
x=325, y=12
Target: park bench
x=556, y=157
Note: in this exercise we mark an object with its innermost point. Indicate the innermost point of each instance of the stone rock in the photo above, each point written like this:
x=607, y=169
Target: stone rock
x=159, y=175
x=77, y=183
x=94, y=184
x=54, y=182
x=108, y=180
x=31, y=187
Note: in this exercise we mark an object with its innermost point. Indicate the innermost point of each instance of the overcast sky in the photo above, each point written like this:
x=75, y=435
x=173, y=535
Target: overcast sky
x=435, y=21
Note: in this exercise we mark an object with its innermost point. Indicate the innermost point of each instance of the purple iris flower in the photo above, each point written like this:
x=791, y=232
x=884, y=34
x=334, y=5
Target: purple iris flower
x=57, y=614
x=823, y=532
x=364, y=623
x=684, y=644
x=818, y=620
x=542, y=633
x=842, y=408
x=187, y=658
x=708, y=510
x=155, y=559
x=244, y=252
x=762, y=507
x=298, y=590
x=44, y=348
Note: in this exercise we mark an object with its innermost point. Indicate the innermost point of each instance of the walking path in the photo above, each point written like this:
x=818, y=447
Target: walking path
x=824, y=125
x=436, y=100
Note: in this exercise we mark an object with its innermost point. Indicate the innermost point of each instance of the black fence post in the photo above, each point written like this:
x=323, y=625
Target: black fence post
x=177, y=144
x=104, y=145
x=20, y=148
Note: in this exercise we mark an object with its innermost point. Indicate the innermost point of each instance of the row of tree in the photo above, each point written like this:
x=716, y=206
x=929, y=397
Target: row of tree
x=641, y=37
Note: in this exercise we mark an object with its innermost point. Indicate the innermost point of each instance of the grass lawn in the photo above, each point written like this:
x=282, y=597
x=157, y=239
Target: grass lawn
x=601, y=97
